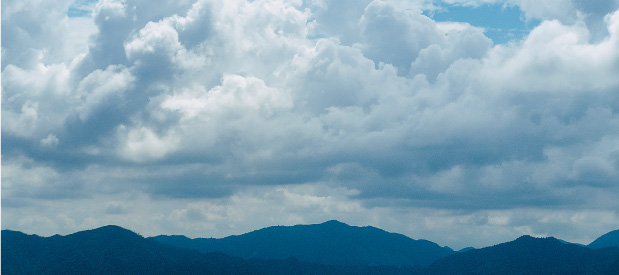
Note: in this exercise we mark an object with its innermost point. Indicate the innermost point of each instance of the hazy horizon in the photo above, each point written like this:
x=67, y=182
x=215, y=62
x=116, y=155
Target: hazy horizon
x=462, y=122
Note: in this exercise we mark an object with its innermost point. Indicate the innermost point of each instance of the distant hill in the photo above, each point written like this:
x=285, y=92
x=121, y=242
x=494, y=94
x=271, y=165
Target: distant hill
x=114, y=250
x=529, y=255
x=329, y=243
x=106, y=250
x=610, y=239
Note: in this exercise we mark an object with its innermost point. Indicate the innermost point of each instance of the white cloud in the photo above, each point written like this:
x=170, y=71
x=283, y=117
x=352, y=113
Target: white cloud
x=109, y=9
x=100, y=87
x=394, y=35
x=154, y=37
x=50, y=141
x=33, y=31
x=141, y=144
x=35, y=101
x=235, y=96
x=462, y=41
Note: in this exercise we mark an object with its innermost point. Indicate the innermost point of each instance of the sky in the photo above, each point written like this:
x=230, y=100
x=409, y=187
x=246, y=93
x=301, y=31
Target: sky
x=463, y=122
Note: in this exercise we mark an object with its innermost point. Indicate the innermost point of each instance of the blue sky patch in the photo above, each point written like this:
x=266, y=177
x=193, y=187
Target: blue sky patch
x=501, y=24
x=81, y=8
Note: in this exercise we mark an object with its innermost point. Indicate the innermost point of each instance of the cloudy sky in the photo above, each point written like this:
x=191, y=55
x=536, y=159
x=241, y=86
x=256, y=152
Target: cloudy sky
x=465, y=122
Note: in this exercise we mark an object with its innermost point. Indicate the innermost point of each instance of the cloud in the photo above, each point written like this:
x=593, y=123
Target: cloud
x=142, y=144
x=101, y=87
x=339, y=19
x=463, y=41
x=24, y=179
x=115, y=208
x=35, y=101
x=51, y=140
x=33, y=31
x=396, y=36
x=202, y=110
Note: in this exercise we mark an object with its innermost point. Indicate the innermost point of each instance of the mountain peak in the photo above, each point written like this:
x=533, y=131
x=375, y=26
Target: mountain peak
x=334, y=223
x=111, y=229
x=525, y=237
x=529, y=238
x=107, y=232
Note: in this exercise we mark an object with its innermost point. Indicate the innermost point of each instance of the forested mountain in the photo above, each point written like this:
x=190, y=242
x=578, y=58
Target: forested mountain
x=114, y=250
x=529, y=255
x=330, y=243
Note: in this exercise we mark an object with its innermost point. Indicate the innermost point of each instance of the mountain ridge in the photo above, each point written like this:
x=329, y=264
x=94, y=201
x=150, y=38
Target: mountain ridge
x=328, y=243
x=115, y=250
x=530, y=255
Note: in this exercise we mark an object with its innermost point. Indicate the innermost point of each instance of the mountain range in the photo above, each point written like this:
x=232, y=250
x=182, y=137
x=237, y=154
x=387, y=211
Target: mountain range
x=328, y=248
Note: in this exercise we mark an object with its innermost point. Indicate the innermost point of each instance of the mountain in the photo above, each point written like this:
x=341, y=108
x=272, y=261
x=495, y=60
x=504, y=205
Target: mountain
x=329, y=243
x=114, y=250
x=529, y=255
x=106, y=250
x=610, y=239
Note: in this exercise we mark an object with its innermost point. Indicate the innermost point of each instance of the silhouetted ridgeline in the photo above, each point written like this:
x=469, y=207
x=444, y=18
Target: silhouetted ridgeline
x=328, y=248
x=114, y=250
x=529, y=255
x=329, y=243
